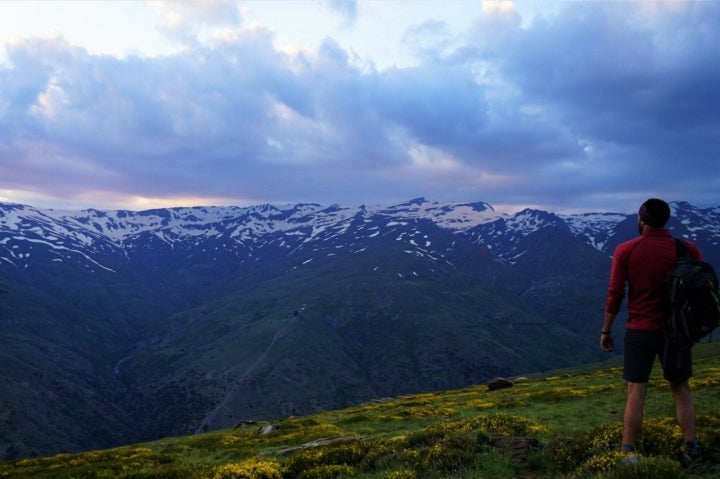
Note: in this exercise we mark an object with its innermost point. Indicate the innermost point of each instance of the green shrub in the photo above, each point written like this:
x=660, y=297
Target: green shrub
x=661, y=437
x=350, y=453
x=399, y=474
x=708, y=425
x=453, y=447
x=660, y=444
x=610, y=466
x=568, y=453
x=333, y=471
x=443, y=459
x=465, y=441
x=170, y=471
x=604, y=438
x=425, y=437
x=384, y=455
x=505, y=425
x=599, y=465
x=303, y=460
x=658, y=437
x=650, y=468
x=468, y=434
x=254, y=468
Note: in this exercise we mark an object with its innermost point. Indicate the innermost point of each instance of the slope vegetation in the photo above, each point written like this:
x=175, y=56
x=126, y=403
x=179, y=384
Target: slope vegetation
x=565, y=424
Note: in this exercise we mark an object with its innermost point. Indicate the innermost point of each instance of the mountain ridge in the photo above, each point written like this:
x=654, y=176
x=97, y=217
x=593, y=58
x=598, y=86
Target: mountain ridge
x=179, y=223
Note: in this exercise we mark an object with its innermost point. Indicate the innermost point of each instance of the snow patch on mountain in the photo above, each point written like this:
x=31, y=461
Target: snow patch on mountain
x=597, y=228
x=243, y=231
x=452, y=216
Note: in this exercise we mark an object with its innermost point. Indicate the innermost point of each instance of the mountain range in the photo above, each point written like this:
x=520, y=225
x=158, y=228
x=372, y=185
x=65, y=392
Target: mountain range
x=123, y=326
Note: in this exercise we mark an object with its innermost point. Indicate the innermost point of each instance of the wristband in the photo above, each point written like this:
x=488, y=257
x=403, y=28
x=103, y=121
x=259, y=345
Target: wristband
x=605, y=332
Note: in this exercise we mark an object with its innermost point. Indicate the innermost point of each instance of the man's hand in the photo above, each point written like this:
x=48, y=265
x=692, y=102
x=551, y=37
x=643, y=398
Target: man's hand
x=606, y=342
x=606, y=338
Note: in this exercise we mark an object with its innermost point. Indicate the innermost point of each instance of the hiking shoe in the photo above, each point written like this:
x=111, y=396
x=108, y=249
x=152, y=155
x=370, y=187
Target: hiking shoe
x=693, y=456
x=694, y=462
x=629, y=461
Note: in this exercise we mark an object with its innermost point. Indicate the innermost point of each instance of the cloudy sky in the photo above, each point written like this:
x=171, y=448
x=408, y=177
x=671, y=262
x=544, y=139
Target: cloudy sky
x=566, y=106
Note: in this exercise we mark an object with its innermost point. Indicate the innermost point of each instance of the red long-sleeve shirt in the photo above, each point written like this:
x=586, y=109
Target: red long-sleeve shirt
x=642, y=264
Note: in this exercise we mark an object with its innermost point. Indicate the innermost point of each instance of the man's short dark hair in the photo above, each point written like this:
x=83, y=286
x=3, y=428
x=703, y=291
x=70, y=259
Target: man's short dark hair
x=655, y=213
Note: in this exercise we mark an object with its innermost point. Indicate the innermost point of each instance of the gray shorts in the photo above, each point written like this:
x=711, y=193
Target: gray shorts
x=641, y=349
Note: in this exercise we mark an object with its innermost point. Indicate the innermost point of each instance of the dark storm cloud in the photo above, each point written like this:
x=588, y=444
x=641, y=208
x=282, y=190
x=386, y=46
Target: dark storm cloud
x=645, y=98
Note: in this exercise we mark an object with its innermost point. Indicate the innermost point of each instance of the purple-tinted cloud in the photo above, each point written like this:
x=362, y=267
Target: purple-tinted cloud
x=593, y=106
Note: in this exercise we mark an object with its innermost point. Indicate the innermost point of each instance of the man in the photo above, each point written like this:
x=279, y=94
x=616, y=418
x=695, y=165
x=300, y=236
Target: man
x=642, y=263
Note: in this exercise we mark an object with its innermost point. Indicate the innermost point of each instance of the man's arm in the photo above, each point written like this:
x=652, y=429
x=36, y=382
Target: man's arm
x=606, y=338
x=615, y=296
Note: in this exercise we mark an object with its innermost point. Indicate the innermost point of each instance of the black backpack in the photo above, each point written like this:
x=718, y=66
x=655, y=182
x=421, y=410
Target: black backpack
x=692, y=299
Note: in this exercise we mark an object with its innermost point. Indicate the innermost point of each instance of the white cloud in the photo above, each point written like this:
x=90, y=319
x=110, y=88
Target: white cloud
x=109, y=27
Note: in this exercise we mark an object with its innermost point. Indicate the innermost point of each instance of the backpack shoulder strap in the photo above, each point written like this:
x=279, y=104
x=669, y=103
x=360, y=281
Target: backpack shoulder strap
x=683, y=251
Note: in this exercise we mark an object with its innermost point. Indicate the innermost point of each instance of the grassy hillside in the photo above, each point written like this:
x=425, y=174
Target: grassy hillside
x=565, y=424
